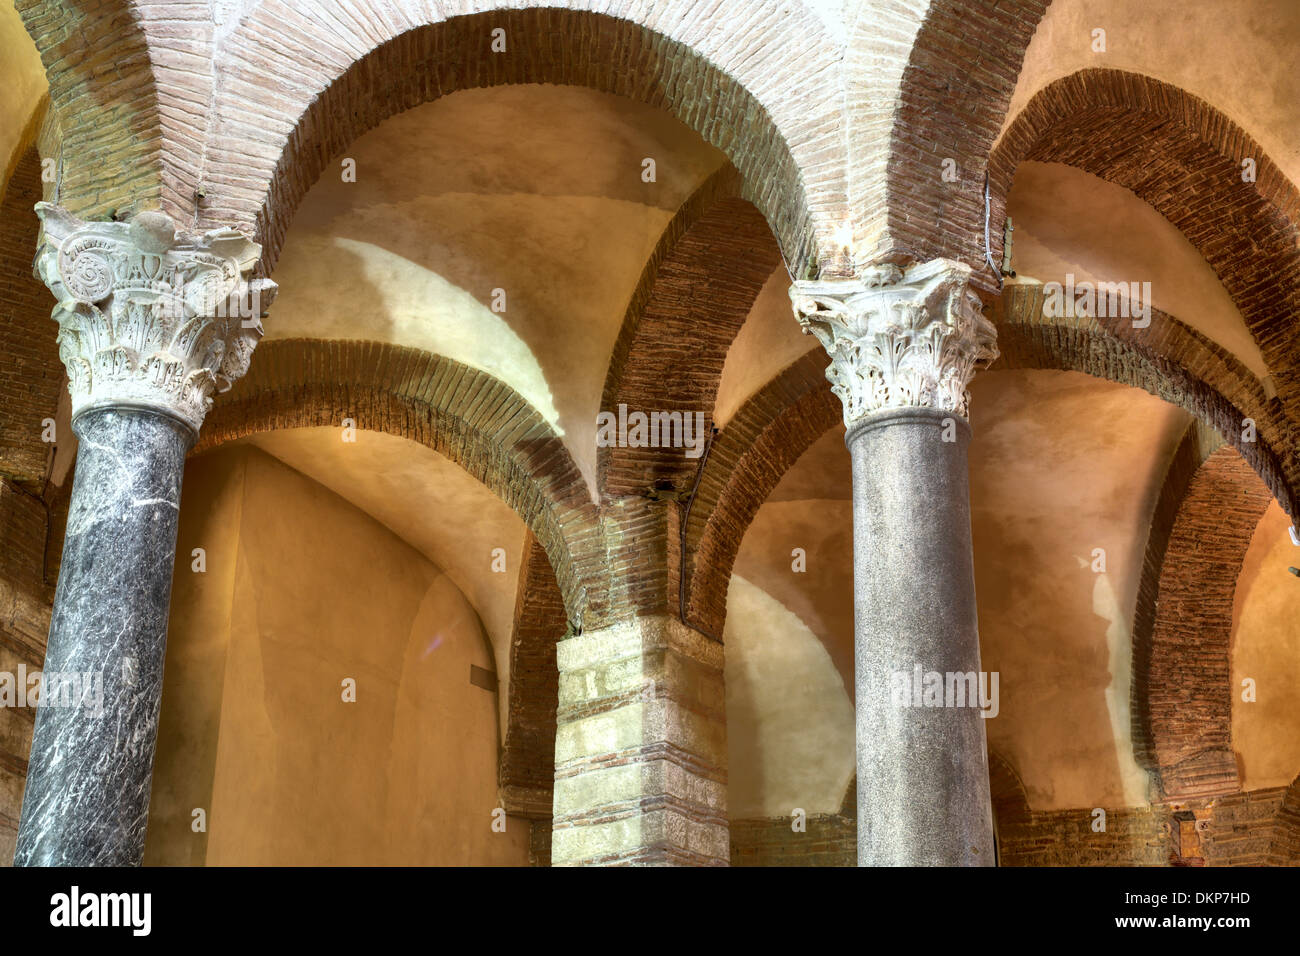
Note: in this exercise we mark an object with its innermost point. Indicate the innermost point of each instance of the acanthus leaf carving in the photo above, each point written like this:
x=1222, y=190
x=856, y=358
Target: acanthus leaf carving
x=148, y=317
x=899, y=338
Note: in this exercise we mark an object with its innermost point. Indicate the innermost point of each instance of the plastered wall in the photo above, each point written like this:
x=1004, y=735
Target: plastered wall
x=302, y=591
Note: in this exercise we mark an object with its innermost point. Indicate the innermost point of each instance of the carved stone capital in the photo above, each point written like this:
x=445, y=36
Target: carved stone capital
x=899, y=338
x=148, y=317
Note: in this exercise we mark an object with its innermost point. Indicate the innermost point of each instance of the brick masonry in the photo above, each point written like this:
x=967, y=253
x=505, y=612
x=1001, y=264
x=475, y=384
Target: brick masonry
x=464, y=414
x=640, y=747
x=288, y=388
x=766, y=436
x=1197, y=444
x=952, y=97
x=1256, y=828
x=232, y=123
x=1183, y=157
x=1187, y=704
x=1169, y=360
x=336, y=76
x=103, y=88
x=823, y=839
x=29, y=395
x=527, y=770
x=695, y=293
x=160, y=108
x=1242, y=829
x=33, y=374
x=25, y=602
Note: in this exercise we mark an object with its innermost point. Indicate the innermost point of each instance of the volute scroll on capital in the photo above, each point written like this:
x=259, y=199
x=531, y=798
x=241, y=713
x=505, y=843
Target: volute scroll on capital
x=149, y=317
x=899, y=337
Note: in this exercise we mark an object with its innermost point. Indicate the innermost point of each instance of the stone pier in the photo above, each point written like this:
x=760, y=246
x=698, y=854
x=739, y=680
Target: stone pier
x=641, y=748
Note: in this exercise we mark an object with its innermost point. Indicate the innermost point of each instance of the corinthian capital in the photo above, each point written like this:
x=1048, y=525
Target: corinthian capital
x=898, y=338
x=148, y=317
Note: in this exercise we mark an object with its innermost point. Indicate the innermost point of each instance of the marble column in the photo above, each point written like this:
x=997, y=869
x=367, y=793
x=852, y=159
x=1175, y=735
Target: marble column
x=904, y=345
x=151, y=323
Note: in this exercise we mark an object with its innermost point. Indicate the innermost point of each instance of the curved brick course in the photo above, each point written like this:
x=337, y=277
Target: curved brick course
x=464, y=414
x=1183, y=157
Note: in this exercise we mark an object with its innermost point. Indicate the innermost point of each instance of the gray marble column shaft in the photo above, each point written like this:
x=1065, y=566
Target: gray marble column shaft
x=87, y=796
x=923, y=784
x=152, y=323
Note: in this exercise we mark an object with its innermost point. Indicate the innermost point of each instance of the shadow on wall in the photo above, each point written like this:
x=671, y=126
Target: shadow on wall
x=513, y=253
x=1065, y=471
x=790, y=726
x=408, y=303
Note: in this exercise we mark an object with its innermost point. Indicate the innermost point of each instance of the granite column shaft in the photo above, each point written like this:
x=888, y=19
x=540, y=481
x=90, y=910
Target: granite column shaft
x=923, y=784
x=904, y=345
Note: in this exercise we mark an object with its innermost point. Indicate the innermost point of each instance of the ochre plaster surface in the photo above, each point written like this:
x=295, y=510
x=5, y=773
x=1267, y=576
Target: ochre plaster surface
x=1266, y=649
x=769, y=340
x=1061, y=465
x=433, y=505
x=1069, y=221
x=789, y=719
x=303, y=591
x=22, y=87
x=1238, y=57
x=534, y=190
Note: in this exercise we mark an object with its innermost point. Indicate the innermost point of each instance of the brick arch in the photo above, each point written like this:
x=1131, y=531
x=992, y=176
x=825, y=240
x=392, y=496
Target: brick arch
x=462, y=413
x=1183, y=157
x=29, y=389
x=1207, y=512
x=526, y=774
x=1009, y=797
x=950, y=103
x=694, y=295
x=1197, y=444
x=749, y=457
x=793, y=410
x=1169, y=360
x=104, y=93
x=336, y=75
